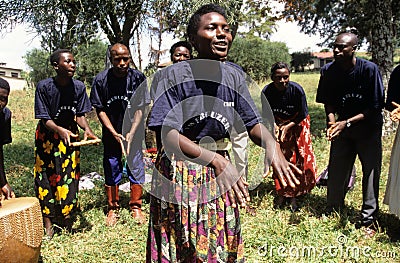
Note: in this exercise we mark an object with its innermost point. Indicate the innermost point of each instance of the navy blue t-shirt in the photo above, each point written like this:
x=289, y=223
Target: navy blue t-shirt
x=117, y=95
x=5, y=126
x=352, y=92
x=393, y=92
x=289, y=104
x=61, y=104
x=202, y=105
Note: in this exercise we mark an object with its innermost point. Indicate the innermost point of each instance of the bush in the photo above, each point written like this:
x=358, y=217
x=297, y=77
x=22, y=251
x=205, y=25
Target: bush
x=256, y=56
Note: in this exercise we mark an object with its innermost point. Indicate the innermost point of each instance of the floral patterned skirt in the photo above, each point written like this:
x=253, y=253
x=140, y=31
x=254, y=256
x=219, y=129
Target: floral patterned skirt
x=187, y=224
x=298, y=150
x=56, y=173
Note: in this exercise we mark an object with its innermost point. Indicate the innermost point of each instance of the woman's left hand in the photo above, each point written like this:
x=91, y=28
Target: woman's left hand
x=230, y=182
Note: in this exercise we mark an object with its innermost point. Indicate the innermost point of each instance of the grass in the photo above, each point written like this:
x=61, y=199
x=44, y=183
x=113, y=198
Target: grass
x=271, y=236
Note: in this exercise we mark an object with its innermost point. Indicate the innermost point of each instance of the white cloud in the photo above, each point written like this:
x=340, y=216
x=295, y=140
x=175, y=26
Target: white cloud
x=14, y=46
x=289, y=33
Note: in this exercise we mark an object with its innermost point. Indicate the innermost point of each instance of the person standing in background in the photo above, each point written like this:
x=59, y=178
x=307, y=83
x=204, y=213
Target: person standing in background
x=117, y=93
x=392, y=194
x=351, y=90
x=5, y=138
x=292, y=123
x=181, y=51
x=60, y=105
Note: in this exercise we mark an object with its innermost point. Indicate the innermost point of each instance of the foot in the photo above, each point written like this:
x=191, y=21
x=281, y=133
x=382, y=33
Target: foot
x=112, y=218
x=250, y=210
x=279, y=201
x=138, y=216
x=293, y=205
x=369, y=232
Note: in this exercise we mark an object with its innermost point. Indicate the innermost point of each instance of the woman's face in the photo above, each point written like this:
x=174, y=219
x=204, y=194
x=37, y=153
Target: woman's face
x=281, y=78
x=180, y=54
x=213, y=37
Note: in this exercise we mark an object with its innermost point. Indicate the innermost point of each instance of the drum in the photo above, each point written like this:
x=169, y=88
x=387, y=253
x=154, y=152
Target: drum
x=21, y=230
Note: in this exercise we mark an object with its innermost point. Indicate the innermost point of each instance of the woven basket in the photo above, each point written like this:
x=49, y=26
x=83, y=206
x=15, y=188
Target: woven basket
x=21, y=230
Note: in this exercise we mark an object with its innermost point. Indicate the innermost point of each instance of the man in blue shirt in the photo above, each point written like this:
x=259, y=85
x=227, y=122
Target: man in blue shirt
x=117, y=94
x=351, y=90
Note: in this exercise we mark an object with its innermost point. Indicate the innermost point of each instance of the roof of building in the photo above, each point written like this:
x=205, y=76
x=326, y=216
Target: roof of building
x=328, y=54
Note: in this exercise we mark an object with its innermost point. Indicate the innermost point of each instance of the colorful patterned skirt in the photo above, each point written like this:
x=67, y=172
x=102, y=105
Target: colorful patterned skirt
x=297, y=149
x=56, y=173
x=186, y=223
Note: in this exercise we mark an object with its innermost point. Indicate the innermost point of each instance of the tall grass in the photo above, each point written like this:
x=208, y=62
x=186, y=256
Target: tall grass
x=273, y=235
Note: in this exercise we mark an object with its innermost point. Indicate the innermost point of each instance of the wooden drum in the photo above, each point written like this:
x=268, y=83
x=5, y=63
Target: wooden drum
x=21, y=230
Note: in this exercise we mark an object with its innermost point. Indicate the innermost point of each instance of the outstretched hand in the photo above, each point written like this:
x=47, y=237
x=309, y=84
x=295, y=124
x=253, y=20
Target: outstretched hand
x=230, y=182
x=285, y=170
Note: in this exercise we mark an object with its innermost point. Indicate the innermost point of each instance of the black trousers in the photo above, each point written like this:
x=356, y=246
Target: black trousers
x=366, y=143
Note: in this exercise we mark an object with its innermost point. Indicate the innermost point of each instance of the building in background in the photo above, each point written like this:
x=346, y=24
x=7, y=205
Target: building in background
x=321, y=58
x=13, y=76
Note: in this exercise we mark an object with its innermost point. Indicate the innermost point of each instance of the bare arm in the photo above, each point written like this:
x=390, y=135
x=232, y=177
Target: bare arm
x=260, y=135
x=224, y=169
x=82, y=122
x=137, y=120
x=64, y=134
x=5, y=187
x=105, y=121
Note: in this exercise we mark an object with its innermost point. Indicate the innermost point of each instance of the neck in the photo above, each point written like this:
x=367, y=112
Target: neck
x=349, y=64
x=63, y=81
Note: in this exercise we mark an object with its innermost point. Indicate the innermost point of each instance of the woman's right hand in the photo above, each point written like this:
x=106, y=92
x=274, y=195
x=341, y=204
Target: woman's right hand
x=66, y=135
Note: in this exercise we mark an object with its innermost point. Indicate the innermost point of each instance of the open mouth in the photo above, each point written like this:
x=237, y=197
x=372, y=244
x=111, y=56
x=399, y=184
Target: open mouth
x=221, y=45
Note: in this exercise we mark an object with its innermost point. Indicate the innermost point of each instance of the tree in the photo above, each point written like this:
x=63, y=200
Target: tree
x=91, y=60
x=256, y=55
x=60, y=24
x=256, y=19
x=89, y=57
x=300, y=60
x=38, y=62
x=375, y=20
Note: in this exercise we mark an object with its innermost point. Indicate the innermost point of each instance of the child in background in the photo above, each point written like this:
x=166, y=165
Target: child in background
x=60, y=105
x=5, y=137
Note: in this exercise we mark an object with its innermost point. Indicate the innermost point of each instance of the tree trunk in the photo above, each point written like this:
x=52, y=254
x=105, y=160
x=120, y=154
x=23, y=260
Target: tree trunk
x=382, y=35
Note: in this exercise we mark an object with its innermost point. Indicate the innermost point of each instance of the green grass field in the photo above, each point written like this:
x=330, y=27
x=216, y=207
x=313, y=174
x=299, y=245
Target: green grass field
x=270, y=236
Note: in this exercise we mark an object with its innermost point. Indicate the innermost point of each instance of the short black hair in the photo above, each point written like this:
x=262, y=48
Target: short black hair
x=185, y=44
x=193, y=24
x=55, y=56
x=279, y=65
x=4, y=84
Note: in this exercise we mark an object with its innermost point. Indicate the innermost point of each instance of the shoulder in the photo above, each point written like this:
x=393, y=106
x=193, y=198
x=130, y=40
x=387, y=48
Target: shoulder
x=366, y=64
x=296, y=87
x=49, y=82
x=101, y=75
x=328, y=66
x=236, y=66
x=6, y=113
x=134, y=73
x=267, y=88
x=79, y=85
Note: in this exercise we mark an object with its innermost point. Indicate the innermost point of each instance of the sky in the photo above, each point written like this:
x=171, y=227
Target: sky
x=15, y=44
